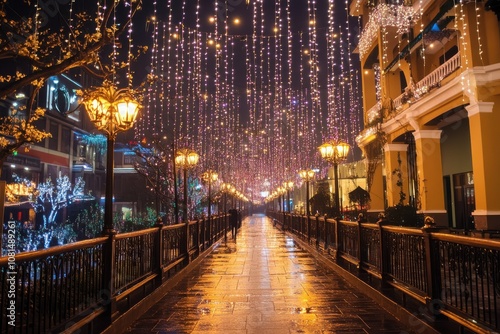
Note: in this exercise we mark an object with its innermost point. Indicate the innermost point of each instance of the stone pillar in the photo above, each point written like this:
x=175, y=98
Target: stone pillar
x=396, y=170
x=376, y=190
x=430, y=175
x=484, y=118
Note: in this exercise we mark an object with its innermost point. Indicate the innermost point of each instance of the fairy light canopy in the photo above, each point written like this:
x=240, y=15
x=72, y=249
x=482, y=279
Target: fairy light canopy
x=253, y=87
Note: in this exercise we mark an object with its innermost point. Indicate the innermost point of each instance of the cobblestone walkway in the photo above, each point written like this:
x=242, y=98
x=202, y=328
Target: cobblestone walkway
x=264, y=283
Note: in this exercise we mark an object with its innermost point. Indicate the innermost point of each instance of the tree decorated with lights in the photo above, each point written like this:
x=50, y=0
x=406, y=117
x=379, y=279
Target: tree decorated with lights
x=48, y=199
x=39, y=40
x=155, y=165
x=51, y=199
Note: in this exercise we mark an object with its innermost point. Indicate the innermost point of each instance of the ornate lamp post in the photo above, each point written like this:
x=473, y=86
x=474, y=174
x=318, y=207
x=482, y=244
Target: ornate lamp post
x=307, y=175
x=186, y=159
x=209, y=176
x=335, y=152
x=288, y=185
x=281, y=199
x=232, y=190
x=225, y=187
x=111, y=110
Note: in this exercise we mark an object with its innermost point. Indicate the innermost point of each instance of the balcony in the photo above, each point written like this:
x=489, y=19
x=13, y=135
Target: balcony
x=415, y=92
x=386, y=15
x=367, y=134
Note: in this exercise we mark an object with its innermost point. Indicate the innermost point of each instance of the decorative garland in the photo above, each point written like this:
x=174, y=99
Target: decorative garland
x=98, y=141
x=385, y=15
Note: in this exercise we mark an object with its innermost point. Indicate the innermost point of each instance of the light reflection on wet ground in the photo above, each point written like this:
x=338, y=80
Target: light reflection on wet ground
x=264, y=283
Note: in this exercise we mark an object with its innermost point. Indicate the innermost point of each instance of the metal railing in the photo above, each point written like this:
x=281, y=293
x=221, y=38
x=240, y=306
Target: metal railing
x=455, y=276
x=430, y=81
x=89, y=283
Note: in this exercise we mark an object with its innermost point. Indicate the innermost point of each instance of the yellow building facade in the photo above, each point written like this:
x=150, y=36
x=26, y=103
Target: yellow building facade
x=431, y=101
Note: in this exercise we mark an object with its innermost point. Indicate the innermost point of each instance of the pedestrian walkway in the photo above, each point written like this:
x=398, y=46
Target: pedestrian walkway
x=264, y=283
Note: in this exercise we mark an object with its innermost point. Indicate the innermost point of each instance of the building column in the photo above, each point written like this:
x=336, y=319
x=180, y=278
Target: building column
x=430, y=175
x=484, y=118
x=396, y=171
x=376, y=190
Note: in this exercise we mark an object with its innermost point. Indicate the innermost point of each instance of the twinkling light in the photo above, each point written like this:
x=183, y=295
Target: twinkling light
x=478, y=34
x=383, y=16
x=460, y=18
x=252, y=104
x=351, y=119
x=130, y=44
x=421, y=14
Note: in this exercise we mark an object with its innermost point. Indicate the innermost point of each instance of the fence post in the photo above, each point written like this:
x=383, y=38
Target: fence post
x=225, y=228
x=432, y=262
x=309, y=229
x=384, y=259
x=157, y=253
x=361, y=219
x=326, y=233
x=202, y=234
x=337, y=238
x=303, y=222
x=185, y=242
x=108, y=276
x=317, y=231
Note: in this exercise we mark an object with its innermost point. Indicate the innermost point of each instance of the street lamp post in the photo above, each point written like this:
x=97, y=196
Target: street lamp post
x=281, y=199
x=209, y=177
x=186, y=159
x=288, y=185
x=307, y=175
x=232, y=191
x=111, y=110
x=225, y=188
x=335, y=152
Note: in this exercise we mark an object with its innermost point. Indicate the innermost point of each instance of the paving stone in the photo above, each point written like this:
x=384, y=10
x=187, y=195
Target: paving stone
x=264, y=283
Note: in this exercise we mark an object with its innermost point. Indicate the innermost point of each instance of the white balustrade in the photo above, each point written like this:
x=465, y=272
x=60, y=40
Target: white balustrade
x=430, y=81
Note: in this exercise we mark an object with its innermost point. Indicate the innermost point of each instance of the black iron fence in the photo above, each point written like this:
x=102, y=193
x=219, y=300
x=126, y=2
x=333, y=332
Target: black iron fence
x=454, y=276
x=86, y=285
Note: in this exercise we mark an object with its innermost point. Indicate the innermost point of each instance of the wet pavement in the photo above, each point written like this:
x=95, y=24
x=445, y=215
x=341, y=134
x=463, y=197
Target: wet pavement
x=264, y=283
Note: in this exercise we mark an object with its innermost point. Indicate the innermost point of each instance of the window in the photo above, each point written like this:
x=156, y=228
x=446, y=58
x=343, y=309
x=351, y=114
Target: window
x=52, y=172
x=53, y=141
x=65, y=140
x=129, y=159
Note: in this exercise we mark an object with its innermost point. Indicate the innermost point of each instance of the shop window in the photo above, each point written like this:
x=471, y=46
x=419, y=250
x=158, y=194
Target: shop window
x=52, y=172
x=53, y=141
x=129, y=159
x=65, y=140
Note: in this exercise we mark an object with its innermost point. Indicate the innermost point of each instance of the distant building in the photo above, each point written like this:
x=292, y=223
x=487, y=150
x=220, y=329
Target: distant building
x=75, y=149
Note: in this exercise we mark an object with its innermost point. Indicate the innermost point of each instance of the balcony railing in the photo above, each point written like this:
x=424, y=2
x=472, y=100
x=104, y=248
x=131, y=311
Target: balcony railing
x=429, y=82
x=454, y=276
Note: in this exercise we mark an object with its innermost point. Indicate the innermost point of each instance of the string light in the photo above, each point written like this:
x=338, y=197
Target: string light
x=478, y=35
x=199, y=92
x=383, y=16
